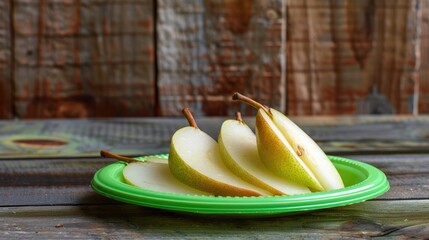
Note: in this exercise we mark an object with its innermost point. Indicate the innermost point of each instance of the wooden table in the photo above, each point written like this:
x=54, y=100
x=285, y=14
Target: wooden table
x=47, y=194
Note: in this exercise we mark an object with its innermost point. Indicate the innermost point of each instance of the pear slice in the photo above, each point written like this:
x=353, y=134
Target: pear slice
x=156, y=176
x=278, y=156
x=195, y=160
x=152, y=174
x=289, y=152
x=309, y=152
x=237, y=144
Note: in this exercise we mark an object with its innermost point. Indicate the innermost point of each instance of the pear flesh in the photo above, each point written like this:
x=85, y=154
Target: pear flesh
x=237, y=144
x=278, y=156
x=154, y=174
x=309, y=152
x=195, y=160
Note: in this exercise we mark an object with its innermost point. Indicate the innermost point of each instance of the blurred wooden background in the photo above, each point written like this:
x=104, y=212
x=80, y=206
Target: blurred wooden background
x=121, y=58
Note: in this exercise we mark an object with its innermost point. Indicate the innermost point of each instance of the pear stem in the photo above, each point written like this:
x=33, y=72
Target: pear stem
x=189, y=117
x=238, y=117
x=107, y=154
x=239, y=97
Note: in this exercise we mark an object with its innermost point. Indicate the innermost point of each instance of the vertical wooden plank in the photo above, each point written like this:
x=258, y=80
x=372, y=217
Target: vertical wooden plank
x=340, y=51
x=396, y=70
x=423, y=98
x=84, y=58
x=5, y=60
x=311, y=71
x=209, y=49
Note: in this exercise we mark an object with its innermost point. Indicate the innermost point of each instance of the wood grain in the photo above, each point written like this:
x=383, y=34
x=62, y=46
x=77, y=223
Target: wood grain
x=407, y=174
x=83, y=58
x=338, y=51
x=400, y=219
x=140, y=136
x=209, y=49
x=6, y=65
x=423, y=76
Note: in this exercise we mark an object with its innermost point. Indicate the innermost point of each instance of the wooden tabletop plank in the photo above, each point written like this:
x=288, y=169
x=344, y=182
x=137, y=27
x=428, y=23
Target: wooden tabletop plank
x=408, y=174
x=50, y=196
x=401, y=219
x=53, y=172
x=397, y=164
x=66, y=181
x=84, y=138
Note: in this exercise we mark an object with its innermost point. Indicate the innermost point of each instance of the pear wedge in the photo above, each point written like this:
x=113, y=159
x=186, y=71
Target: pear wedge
x=278, y=156
x=289, y=152
x=309, y=152
x=152, y=174
x=156, y=176
x=237, y=144
x=195, y=160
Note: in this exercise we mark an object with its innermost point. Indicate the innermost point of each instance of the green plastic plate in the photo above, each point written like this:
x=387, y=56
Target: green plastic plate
x=362, y=182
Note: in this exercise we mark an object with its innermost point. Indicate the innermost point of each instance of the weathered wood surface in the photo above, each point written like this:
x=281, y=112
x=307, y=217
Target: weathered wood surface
x=209, y=49
x=83, y=58
x=338, y=51
x=424, y=59
x=388, y=219
x=343, y=57
x=52, y=198
x=133, y=136
x=97, y=58
x=6, y=100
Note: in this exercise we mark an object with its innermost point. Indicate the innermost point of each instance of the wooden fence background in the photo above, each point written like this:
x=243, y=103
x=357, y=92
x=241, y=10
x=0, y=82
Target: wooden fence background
x=105, y=58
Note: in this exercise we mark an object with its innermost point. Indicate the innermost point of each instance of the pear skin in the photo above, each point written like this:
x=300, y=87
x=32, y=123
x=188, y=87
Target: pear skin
x=310, y=153
x=284, y=147
x=195, y=160
x=278, y=156
x=237, y=144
